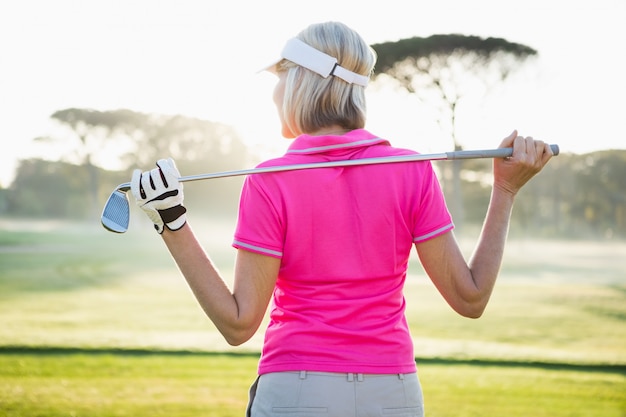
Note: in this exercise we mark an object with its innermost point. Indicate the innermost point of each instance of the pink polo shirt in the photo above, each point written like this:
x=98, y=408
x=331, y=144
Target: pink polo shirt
x=344, y=236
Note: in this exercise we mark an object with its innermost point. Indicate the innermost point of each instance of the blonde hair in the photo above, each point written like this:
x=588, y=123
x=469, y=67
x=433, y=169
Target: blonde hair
x=312, y=102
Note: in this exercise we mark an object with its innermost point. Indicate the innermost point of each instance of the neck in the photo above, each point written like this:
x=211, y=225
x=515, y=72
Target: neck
x=331, y=130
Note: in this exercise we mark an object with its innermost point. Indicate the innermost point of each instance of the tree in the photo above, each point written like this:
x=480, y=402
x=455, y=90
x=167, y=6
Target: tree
x=443, y=69
x=48, y=189
x=93, y=130
x=192, y=142
x=601, y=198
x=197, y=146
x=137, y=140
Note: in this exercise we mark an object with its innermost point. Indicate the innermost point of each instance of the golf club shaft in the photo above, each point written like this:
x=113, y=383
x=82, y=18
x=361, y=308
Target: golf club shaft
x=474, y=154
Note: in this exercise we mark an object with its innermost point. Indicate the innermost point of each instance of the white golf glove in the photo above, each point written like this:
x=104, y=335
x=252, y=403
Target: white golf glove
x=160, y=195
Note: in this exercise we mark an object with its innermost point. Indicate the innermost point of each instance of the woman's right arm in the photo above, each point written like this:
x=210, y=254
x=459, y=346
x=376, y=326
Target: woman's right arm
x=238, y=313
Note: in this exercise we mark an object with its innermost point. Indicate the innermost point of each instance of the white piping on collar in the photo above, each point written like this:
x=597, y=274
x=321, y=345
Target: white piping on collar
x=335, y=146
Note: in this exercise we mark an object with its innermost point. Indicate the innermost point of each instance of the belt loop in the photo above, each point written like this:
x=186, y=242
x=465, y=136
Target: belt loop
x=401, y=377
x=359, y=377
x=302, y=374
x=350, y=377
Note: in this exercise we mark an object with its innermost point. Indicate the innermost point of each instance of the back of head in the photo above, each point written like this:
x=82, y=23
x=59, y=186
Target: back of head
x=313, y=102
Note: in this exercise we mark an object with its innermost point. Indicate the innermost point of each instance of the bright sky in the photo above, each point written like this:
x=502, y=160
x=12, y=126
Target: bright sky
x=200, y=58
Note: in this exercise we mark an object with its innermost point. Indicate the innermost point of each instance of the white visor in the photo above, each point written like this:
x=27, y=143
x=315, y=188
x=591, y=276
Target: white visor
x=308, y=57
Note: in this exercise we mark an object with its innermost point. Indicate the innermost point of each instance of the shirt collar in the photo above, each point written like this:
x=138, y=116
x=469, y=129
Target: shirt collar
x=358, y=138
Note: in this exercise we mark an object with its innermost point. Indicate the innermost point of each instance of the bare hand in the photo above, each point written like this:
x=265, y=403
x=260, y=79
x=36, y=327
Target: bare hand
x=529, y=157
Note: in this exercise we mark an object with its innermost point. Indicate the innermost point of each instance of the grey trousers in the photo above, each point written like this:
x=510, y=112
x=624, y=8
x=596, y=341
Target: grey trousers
x=325, y=394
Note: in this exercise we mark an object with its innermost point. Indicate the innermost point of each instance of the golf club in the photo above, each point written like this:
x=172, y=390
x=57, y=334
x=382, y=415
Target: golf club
x=116, y=212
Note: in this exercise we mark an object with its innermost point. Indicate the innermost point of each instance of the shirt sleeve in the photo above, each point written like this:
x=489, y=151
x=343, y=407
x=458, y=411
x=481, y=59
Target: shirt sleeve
x=259, y=225
x=432, y=217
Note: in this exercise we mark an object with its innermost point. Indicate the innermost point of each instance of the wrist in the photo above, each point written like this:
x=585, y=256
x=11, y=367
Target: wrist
x=504, y=190
x=501, y=201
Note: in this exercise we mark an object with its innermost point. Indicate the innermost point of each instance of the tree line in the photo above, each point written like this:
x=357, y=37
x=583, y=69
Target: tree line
x=575, y=195
x=78, y=189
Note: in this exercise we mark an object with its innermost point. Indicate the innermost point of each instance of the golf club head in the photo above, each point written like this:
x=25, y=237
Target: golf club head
x=116, y=212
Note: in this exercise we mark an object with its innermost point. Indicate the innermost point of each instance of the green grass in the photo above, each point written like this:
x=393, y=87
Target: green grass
x=113, y=384
x=108, y=383
x=99, y=324
x=518, y=391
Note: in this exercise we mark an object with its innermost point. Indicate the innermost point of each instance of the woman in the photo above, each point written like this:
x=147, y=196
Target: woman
x=330, y=247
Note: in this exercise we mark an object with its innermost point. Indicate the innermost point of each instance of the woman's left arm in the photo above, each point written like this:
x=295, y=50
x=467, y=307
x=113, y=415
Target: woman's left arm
x=467, y=286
